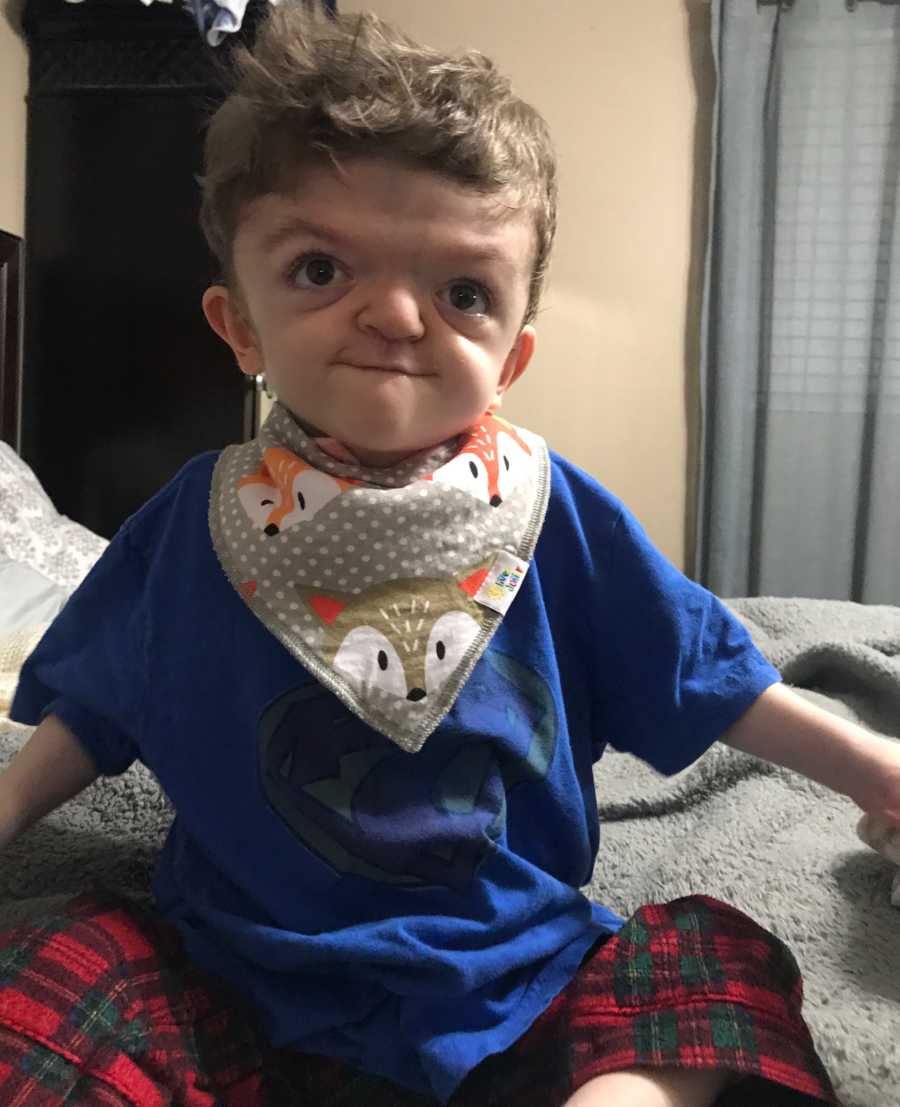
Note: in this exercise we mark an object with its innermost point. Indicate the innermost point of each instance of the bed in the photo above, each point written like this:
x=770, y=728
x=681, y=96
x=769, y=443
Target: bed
x=774, y=844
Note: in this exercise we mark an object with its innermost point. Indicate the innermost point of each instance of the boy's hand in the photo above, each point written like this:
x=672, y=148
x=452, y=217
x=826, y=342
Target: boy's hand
x=881, y=835
x=877, y=792
x=876, y=787
x=789, y=730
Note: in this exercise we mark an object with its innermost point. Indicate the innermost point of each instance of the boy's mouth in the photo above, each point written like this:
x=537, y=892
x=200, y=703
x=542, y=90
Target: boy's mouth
x=402, y=369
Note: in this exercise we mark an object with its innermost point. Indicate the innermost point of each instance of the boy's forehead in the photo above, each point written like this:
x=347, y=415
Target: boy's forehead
x=369, y=200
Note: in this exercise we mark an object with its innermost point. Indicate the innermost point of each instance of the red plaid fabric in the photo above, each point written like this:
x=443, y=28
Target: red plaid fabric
x=99, y=1006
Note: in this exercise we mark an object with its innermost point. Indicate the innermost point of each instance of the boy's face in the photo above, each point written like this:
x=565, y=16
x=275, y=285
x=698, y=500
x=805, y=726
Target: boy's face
x=383, y=304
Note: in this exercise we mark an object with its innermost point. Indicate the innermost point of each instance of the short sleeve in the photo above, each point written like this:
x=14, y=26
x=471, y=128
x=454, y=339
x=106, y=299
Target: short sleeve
x=89, y=668
x=674, y=667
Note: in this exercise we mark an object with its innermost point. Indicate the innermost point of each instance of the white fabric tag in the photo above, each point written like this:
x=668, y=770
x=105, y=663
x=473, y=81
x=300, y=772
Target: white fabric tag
x=501, y=586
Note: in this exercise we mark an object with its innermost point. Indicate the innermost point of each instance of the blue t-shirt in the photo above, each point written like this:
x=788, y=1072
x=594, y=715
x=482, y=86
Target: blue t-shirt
x=408, y=912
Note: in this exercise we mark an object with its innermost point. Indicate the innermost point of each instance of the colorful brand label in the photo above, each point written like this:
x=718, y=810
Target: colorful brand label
x=501, y=585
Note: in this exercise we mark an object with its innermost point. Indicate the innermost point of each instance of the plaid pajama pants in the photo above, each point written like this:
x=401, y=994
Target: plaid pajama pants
x=99, y=1006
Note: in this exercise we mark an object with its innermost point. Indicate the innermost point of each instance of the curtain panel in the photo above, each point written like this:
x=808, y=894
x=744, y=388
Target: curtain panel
x=799, y=489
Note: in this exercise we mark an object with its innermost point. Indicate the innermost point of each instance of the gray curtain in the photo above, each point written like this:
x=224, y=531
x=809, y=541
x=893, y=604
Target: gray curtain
x=800, y=377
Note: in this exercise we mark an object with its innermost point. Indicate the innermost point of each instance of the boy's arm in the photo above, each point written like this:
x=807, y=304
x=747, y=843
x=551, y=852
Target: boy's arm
x=51, y=768
x=785, y=728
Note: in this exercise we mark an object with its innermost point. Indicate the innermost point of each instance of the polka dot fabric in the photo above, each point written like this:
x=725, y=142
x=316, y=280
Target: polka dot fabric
x=369, y=576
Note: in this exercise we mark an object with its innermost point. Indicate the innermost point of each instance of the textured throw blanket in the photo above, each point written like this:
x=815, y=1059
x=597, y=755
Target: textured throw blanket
x=777, y=846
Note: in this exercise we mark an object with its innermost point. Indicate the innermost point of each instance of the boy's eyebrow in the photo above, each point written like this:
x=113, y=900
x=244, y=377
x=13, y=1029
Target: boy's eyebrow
x=290, y=228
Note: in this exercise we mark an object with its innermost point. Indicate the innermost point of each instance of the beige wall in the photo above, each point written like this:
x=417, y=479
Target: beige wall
x=13, y=82
x=611, y=382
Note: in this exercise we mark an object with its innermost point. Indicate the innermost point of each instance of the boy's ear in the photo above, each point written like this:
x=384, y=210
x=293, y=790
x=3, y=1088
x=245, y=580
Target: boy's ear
x=516, y=363
x=224, y=315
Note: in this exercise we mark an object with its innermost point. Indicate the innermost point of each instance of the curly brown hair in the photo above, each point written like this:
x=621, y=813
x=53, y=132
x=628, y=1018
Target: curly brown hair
x=314, y=89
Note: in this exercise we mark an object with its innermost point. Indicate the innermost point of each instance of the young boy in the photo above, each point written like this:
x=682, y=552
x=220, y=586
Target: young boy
x=372, y=656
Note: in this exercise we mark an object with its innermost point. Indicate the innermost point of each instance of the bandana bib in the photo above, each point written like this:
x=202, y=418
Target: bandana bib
x=386, y=584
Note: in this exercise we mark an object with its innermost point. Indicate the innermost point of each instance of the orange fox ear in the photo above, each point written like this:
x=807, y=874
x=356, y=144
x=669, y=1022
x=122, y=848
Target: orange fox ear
x=472, y=583
x=258, y=476
x=326, y=607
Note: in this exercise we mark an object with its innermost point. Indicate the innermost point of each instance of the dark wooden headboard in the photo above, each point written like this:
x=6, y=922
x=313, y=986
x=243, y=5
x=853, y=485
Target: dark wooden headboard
x=123, y=379
x=10, y=338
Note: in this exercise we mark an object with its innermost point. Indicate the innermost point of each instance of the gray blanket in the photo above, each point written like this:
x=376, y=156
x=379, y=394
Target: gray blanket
x=777, y=846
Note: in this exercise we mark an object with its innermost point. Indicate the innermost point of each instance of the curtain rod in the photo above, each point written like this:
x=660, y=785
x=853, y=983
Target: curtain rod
x=786, y=5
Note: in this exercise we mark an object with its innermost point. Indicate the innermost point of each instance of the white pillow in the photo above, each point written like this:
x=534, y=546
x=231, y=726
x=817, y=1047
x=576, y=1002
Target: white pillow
x=27, y=598
x=34, y=535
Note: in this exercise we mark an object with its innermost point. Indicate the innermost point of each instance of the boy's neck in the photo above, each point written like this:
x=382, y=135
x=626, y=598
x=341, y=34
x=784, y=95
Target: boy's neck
x=373, y=459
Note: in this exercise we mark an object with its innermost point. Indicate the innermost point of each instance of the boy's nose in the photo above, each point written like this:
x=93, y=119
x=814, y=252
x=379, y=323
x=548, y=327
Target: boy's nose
x=394, y=313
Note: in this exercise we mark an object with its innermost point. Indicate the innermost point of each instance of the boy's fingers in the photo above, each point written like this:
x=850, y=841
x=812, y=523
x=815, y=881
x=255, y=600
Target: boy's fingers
x=882, y=833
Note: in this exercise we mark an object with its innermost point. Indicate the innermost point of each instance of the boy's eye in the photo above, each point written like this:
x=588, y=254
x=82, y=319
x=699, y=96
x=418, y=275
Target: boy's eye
x=313, y=271
x=469, y=297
